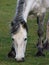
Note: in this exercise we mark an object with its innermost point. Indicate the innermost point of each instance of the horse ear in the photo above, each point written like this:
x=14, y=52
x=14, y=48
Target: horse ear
x=14, y=27
x=24, y=25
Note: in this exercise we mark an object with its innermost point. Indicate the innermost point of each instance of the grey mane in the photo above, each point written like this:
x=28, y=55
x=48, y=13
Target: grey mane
x=15, y=24
x=19, y=9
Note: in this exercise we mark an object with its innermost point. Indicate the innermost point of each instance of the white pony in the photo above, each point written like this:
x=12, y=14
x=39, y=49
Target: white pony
x=19, y=26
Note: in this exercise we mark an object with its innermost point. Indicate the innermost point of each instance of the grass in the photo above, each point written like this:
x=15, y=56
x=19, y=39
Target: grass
x=7, y=11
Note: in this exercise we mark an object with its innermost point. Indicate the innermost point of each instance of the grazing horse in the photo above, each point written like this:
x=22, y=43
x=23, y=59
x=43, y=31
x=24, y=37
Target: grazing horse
x=19, y=27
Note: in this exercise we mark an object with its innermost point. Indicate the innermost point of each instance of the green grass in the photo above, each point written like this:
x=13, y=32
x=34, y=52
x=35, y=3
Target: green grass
x=7, y=11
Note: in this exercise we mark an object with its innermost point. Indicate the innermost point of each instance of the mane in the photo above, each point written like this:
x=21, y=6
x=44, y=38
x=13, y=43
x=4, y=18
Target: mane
x=15, y=24
x=19, y=9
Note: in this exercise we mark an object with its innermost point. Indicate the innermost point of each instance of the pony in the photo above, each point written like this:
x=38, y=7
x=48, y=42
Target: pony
x=19, y=28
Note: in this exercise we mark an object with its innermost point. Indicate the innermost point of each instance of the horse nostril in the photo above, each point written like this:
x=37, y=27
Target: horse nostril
x=23, y=59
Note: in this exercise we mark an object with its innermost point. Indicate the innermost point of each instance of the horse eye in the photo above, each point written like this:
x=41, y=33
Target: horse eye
x=12, y=39
x=25, y=39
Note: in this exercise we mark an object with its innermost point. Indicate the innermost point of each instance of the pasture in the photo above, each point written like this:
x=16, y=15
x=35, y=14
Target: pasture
x=7, y=11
